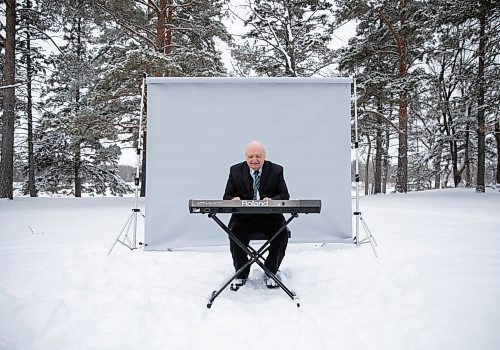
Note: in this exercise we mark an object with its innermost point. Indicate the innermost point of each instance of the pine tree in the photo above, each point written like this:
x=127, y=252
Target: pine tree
x=9, y=76
x=184, y=32
x=448, y=98
x=284, y=37
x=375, y=102
x=480, y=19
x=82, y=140
x=159, y=38
x=34, y=23
x=396, y=30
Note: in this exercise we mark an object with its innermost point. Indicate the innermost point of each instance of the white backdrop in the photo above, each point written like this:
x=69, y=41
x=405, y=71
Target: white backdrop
x=198, y=127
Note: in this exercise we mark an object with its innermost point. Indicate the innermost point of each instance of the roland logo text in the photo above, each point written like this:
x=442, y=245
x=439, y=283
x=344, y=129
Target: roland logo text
x=254, y=203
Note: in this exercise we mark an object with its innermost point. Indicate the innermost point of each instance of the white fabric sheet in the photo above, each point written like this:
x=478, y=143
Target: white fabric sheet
x=198, y=127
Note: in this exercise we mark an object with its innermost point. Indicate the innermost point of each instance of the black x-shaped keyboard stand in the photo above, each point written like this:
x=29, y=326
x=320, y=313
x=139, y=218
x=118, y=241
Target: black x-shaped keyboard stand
x=255, y=257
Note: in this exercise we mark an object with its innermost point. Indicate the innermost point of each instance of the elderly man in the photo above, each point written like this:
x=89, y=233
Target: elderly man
x=256, y=178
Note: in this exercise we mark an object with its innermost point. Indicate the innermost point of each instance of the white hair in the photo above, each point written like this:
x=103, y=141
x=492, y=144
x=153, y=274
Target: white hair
x=257, y=144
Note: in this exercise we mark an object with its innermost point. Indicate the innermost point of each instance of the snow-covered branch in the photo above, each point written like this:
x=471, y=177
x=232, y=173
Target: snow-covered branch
x=382, y=117
x=131, y=27
x=257, y=29
x=28, y=27
x=10, y=86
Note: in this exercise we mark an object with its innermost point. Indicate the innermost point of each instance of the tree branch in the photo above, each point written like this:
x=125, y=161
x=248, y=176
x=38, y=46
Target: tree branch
x=44, y=34
x=391, y=28
x=131, y=27
x=383, y=118
x=3, y=87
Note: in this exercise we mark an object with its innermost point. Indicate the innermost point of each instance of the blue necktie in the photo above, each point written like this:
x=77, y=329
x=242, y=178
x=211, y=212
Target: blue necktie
x=256, y=183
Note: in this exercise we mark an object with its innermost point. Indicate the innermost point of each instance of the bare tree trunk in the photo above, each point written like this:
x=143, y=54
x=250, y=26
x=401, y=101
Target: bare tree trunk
x=169, y=26
x=403, y=65
x=78, y=162
x=160, y=26
x=378, y=162
x=377, y=169
x=448, y=124
x=402, y=173
x=481, y=140
x=9, y=100
x=437, y=167
x=497, y=138
x=29, y=78
x=468, y=180
x=446, y=174
x=452, y=144
x=457, y=175
x=386, y=161
x=77, y=167
x=164, y=25
x=367, y=165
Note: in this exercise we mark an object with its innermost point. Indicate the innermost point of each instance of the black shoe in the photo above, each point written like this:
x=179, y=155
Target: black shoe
x=271, y=283
x=237, y=283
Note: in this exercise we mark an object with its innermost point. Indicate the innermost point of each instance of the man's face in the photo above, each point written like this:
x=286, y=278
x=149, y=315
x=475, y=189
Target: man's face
x=255, y=157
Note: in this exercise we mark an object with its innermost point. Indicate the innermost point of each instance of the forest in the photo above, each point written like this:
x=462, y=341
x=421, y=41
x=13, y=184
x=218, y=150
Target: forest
x=425, y=94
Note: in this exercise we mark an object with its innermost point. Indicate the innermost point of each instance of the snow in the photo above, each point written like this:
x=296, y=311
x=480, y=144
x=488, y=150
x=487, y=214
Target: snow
x=435, y=285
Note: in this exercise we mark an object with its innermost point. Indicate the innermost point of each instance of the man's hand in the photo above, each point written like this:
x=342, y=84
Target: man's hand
x=236, y=199
x=267, y=198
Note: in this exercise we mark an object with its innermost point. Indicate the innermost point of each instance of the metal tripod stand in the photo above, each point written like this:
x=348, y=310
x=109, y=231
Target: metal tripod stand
x=368, y=235
x=123, y=236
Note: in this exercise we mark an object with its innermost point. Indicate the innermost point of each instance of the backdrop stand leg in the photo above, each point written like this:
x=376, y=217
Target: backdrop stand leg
x=125, y=240
x=368, y=234
x=132, y=220
x=369, y=237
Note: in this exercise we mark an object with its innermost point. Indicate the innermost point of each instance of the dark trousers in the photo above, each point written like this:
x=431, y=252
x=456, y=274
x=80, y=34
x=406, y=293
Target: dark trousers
x=252, y=229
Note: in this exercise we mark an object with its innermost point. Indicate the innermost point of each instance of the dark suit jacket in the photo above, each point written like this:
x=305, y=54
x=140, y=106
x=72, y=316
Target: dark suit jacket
x=272, y=185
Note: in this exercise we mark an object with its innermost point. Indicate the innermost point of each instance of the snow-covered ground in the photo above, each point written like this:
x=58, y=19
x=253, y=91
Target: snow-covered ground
x=435, y=285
